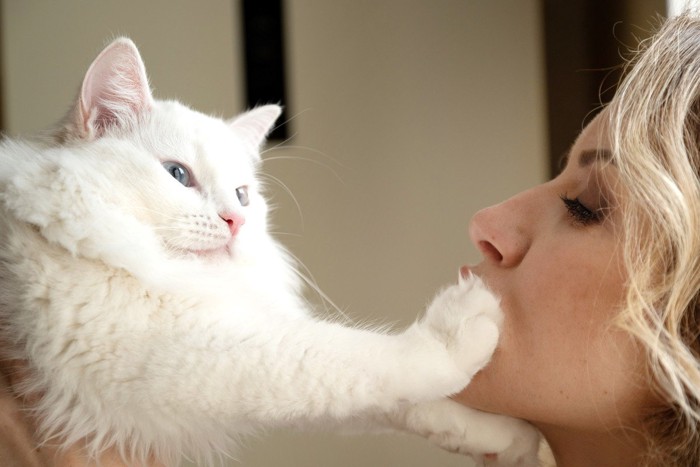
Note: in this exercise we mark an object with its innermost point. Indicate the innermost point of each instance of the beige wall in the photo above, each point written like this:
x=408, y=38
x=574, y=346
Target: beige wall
x=409, y=115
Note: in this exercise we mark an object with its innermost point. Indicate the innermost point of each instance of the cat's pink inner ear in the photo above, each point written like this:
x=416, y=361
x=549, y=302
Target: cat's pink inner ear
x=115, y=89
x=253, y=126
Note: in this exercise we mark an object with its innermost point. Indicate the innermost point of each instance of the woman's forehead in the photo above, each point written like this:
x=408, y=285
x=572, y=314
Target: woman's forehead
x=593, y=143
x=595, y=135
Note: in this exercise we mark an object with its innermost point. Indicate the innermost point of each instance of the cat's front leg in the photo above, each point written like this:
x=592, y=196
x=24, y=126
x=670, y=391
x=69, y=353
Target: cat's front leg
x=491, y=439
x=219, y=374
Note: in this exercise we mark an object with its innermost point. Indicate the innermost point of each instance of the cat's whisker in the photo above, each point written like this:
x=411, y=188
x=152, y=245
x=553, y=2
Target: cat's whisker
x=308, y=278
x=289, y=119
x=163, y=228
x=281, y=147
x=310, y=160
x=163, y=216
x=289, y=138
x=289, y=192
x=306, y=149
x=278, y=145
x=284, y=234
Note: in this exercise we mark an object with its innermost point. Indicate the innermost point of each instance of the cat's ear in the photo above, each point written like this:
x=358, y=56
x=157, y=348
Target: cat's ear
x=254, y=125
x=114, y=92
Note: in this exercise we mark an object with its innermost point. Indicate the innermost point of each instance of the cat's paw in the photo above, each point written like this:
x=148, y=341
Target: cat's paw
x=506, y=442
x=492, y=440
x=466, y=318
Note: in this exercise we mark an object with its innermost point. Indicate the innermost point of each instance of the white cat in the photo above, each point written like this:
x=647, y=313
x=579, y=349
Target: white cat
x=157, y=315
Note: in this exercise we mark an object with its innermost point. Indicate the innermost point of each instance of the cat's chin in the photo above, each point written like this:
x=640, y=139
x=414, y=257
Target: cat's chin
x=224, y=252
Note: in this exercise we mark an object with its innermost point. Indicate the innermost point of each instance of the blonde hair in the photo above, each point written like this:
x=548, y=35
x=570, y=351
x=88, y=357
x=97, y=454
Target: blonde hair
x=654, y=124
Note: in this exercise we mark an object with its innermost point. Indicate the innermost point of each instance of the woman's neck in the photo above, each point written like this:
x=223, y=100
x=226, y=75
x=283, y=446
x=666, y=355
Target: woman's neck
x=580, y=448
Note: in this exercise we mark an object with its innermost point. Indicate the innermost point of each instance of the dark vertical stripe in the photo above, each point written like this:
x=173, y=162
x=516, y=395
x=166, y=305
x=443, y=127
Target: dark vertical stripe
x=263, y=31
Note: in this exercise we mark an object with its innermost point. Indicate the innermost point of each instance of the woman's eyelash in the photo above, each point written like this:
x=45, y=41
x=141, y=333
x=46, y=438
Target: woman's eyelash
x=580, y=214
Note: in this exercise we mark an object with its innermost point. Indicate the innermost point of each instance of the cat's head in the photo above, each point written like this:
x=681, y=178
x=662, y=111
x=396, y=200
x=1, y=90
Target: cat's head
x=149, y=174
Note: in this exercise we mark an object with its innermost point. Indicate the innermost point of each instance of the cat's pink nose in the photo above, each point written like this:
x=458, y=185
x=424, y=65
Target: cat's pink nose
x=234, y=221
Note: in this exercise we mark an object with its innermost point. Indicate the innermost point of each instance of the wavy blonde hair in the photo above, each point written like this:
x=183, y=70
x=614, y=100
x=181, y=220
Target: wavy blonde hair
x=655, y=137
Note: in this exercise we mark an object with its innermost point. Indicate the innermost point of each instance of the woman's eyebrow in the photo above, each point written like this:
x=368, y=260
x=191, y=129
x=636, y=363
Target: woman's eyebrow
x=563, y=160
x=589, y=156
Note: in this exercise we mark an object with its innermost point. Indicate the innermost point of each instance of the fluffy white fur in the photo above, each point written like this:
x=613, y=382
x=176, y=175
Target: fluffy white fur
x=149, y=325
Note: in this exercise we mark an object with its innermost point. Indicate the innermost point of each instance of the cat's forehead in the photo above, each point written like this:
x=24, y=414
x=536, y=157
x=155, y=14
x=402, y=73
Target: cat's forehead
x=180, y=125
x=178, y=133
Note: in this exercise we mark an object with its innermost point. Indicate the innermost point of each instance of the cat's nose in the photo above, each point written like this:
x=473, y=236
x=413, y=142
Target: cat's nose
x=234, y=221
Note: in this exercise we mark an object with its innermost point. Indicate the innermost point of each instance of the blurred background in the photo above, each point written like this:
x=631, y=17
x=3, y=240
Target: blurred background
x=404, y=117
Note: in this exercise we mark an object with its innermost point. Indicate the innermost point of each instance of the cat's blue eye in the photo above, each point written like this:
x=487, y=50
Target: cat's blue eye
x=242, y=193
x=179, y=172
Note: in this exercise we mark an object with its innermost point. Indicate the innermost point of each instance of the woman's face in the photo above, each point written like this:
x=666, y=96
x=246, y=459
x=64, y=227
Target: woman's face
x=552, y=255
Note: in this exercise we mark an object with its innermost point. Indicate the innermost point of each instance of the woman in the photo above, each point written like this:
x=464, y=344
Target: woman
x=599, y=272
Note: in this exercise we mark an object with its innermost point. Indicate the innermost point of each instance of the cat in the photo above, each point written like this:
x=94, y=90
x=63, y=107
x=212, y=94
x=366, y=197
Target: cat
x=158, y=316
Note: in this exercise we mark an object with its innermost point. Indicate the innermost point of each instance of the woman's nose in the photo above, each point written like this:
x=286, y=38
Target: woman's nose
x=501, y=233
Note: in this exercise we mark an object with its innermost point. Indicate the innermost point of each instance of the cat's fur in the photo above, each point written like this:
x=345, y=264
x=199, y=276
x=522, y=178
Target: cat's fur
x=164, y=320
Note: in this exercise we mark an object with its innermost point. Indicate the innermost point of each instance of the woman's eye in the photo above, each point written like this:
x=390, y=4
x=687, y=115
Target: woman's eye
x=179, y=172
x=242, y=193
x=579, y=213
